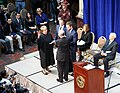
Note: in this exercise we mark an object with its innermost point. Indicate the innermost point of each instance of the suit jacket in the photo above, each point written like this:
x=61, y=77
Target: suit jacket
x=88, y=40
x=72, y=37
x=113, y=47
x=7, y=29
x=57, y=30
x=18, y=25
x=2, y=36
x=63, y=49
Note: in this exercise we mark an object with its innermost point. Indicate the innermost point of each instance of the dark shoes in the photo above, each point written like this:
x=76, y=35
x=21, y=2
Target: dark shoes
x=44, y=72
x=48, y=69
x=61, y=81
x=72, y=74
x=21, y=49
x=9, y=52
x=107, y=74
x=66, y=79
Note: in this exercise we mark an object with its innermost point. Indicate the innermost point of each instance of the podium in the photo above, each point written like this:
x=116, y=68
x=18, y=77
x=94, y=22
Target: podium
x=88, y=81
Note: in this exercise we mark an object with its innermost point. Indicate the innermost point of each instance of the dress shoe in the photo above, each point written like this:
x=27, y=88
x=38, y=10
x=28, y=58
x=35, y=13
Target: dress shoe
x=107, y=74
x=21, y=49
x=44, y=72
x=66, y=79
x=11, y=52
x=48, y=69
x=61, y=81
x=6, y=52
x=72, y=74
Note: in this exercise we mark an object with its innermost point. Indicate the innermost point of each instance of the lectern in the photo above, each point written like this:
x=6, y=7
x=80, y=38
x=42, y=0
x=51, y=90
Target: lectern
x=88, y=81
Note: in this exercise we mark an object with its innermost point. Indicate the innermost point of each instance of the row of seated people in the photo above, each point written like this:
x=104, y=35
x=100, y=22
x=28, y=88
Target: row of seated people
x=18, y=29
x=107, y=50
x=85, y=41
x=22, y=27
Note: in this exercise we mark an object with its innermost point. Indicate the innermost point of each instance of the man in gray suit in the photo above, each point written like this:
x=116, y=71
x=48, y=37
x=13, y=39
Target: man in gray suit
x=108, y=52
x=62, y=56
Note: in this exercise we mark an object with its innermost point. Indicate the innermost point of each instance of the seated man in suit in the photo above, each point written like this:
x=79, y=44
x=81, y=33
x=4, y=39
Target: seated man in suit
x=4, y=41
x=108, y=52
x=9, y=32
x=85, y=40
x=20, y=28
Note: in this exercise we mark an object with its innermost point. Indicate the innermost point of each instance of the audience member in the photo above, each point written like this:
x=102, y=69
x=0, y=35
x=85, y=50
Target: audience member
x=62, y=56
x=72, y=37
x=30, y=26
x=21, y=29
x=85, y=40
x=2, y=17
x=64, y=12
x=59, y=27
x=9, y=32
x=5, y=41
x=108, y=52
x=45, y=50
x=53, y=4
x=41, y=18
x=20, y=4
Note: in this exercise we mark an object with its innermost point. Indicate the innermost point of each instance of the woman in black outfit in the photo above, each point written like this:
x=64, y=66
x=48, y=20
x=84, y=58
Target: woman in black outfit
x=45, y=49
x=30, y=25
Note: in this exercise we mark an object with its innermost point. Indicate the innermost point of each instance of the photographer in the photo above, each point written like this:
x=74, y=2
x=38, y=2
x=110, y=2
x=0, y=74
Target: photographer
x=4, y=77
x=10, y=83
x=7, y=82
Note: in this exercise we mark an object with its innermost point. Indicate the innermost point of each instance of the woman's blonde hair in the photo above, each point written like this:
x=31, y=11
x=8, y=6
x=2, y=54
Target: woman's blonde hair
x=43, y=28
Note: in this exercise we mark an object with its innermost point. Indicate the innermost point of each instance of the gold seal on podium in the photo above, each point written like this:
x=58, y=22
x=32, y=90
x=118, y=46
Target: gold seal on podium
x=80, y=81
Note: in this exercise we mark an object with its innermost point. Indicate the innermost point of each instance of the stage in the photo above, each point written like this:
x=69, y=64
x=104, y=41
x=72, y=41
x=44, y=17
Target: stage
x=30, y=76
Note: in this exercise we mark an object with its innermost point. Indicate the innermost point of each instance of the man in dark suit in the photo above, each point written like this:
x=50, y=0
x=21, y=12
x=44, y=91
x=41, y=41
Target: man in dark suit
x=72, y=37
x=61, y=26
x=85, y=41
x=62, y=56
x=108, y=52
x=21, y=29
x=9, y=32
x=4, y=41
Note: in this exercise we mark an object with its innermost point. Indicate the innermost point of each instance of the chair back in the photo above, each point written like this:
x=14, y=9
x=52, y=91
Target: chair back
x=101, y=41
x=13, y=15
x=11, y=7
x=23, y=13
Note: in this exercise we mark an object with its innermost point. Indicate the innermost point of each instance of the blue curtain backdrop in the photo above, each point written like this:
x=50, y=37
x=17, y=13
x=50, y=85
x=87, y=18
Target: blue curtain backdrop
x=103, y=16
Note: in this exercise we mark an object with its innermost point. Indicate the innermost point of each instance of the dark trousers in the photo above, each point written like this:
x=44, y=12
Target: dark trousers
x=63, y=67
x=105, y=61
x=6, y=43
x=71, y=60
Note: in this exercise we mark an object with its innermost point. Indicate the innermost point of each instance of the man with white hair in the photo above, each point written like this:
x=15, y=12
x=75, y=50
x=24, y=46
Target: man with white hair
x=62, y=56
x=108, y=52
